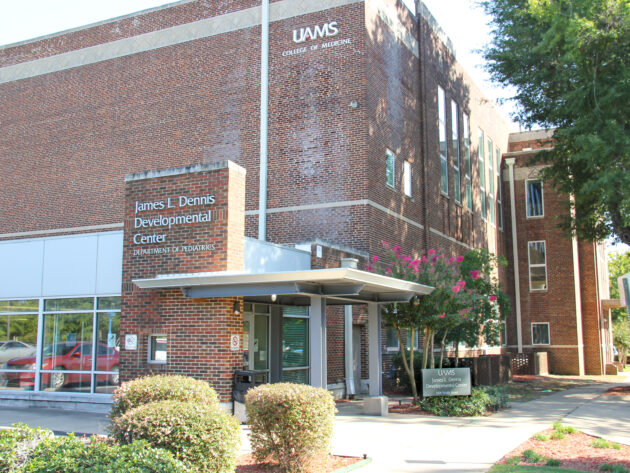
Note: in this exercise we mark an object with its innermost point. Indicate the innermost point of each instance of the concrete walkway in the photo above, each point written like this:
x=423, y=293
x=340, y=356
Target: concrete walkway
x=414, y=443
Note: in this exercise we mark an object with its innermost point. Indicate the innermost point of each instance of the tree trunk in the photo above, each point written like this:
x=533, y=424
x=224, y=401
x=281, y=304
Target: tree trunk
x=408, y=365
x=432, y=350
x=425, y=348
x=623, y=356
x=442, y=344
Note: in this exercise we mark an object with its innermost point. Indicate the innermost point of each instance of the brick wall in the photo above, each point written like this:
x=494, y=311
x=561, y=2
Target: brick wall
x=198, y=330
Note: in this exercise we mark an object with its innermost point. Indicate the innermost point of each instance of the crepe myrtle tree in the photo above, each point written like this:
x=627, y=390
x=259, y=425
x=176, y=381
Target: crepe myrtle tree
x=464, y=296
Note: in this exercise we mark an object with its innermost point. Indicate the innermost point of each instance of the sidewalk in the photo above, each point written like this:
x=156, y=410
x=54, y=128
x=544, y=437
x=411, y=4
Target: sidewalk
x=422, y=444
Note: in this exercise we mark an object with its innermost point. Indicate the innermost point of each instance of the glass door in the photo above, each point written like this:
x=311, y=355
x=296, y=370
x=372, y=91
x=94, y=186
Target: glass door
x=256, y=340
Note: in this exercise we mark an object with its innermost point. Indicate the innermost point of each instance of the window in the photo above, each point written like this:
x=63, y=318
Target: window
x=295, y=348
x=467, y=162
x=534, y=197
x=497, y=170
x=490, y=182
x=457, y=184
x=442, y=137
x=407, y=178
x=390, y=159
x=540, y=333
x=158, y=347
x=482, y=176
x=537, y=266
x=391, y=339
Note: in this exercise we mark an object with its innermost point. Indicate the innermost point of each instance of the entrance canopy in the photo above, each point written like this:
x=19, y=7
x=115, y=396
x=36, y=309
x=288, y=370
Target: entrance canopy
x=340, y=286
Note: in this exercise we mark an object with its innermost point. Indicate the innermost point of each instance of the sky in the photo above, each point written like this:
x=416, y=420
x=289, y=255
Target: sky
x=462, y=20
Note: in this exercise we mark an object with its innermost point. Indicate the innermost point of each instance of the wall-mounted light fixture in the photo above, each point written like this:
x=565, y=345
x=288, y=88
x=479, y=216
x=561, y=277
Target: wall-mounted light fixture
x=273, y=298
x=237, y=308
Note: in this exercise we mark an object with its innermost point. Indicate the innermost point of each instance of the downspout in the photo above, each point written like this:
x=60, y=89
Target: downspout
x=423, y=122
x=348, y=341
x=578, y=301
x=517, y=282
x=264, y=120
x=602, y=362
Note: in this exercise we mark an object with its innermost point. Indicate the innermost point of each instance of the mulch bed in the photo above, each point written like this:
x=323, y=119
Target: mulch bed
x=407, y=408
x=618, y=391
x=247, y=464
x=574, y=451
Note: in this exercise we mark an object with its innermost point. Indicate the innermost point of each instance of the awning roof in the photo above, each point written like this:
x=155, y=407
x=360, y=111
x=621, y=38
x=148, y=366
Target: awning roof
x=340, y=286
x=612, y=304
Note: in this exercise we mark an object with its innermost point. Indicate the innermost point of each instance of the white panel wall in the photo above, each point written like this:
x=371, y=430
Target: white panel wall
x=21, y=268
x=72, y=265
x=264, y=257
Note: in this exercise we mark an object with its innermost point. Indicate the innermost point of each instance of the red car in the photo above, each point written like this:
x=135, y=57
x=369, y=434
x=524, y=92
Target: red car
x=64, y=356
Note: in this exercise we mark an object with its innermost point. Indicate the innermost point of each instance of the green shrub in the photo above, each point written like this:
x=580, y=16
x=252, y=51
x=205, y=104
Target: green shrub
x=142, y=391
x=291, y=424
x=17, y=445
x=553, y=462
x=540, y=437
x=563, y=429
x=72, y=455
x=600, y=443
x=531, y=456
x=613, y=468
x=482, y=400
x=557, y=435
x=615, y=446
x=513, y=460
x=205, y=437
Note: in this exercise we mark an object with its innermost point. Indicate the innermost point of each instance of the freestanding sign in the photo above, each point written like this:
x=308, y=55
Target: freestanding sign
x=446, y=382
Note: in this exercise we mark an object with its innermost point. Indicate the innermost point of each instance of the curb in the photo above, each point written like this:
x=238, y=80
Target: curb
x=354, y=466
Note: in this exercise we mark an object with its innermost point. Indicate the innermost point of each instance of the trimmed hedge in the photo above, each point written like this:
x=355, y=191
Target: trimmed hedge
x=17, y=445
x=205, y=437
x=483, y=399
x=142, y=391
x=291, y=424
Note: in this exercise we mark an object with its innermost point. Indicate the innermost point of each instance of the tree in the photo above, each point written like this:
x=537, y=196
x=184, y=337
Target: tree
x=456, y=299
x=618, y=265
x=569, y=62
x=621, y=339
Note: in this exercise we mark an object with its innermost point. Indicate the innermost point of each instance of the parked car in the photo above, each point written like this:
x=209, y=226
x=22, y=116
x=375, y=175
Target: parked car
x=65, y=356
x=13, y=349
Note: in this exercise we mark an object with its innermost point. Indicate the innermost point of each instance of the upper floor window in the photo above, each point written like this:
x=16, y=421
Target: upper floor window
x=499, y=190
x=491, y=181
x=442, y=136
x=393, y=344
x=390, y=159
x=534, y=197
x=482, y=175
x=407, y=178
x=537, y=265
x=457, y=186
x=467, y=162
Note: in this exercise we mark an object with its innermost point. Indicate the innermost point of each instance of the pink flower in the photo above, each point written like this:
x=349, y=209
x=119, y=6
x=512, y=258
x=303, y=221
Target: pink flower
x=451, y=260
x=431, y=252
x=423, y=259
x=434, y=260
x=406, y=259
x=442, y=316
x=462, y=284
x=396, y=249
x=460, y=259
x=493, y=298
x=385, y=244
x=474, y=274
x=456, y=288
x=374, y=259
x=369, y=268
x=464, y=317
x=416, y=302
x=441, y=255
x=388, y=271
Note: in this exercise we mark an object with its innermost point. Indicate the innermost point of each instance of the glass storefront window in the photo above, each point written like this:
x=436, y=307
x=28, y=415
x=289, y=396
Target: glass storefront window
x=108, y=341
x=18, y=341
x=108, y=303
x=28, y=305
x=295, y=348
x=78, y=303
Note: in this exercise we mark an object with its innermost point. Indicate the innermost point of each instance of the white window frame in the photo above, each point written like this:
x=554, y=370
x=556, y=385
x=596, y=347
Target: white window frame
x=548, y=333
x=491, y=204
x=499, y=189
x=407, y=188
x=482, y=173
x=396, y=348
x=542, y=199
x=467, y=162
x=152, y=337
x=390, y=160
x=442, y=137
x=538, y=265
x=457, y=177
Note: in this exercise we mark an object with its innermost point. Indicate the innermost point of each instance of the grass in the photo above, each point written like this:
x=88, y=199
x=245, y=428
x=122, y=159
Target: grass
x=540, y=437
x=529, y=469
x=563, y=429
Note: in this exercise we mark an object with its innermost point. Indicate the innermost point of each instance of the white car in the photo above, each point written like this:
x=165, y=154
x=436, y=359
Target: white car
x=10, y=349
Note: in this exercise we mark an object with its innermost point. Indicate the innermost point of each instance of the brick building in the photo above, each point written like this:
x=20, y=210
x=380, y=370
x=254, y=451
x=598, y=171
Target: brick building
x=346, y=122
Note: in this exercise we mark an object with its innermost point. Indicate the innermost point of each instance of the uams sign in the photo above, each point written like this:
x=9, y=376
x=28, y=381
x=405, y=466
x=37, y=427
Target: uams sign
x=305, y=34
